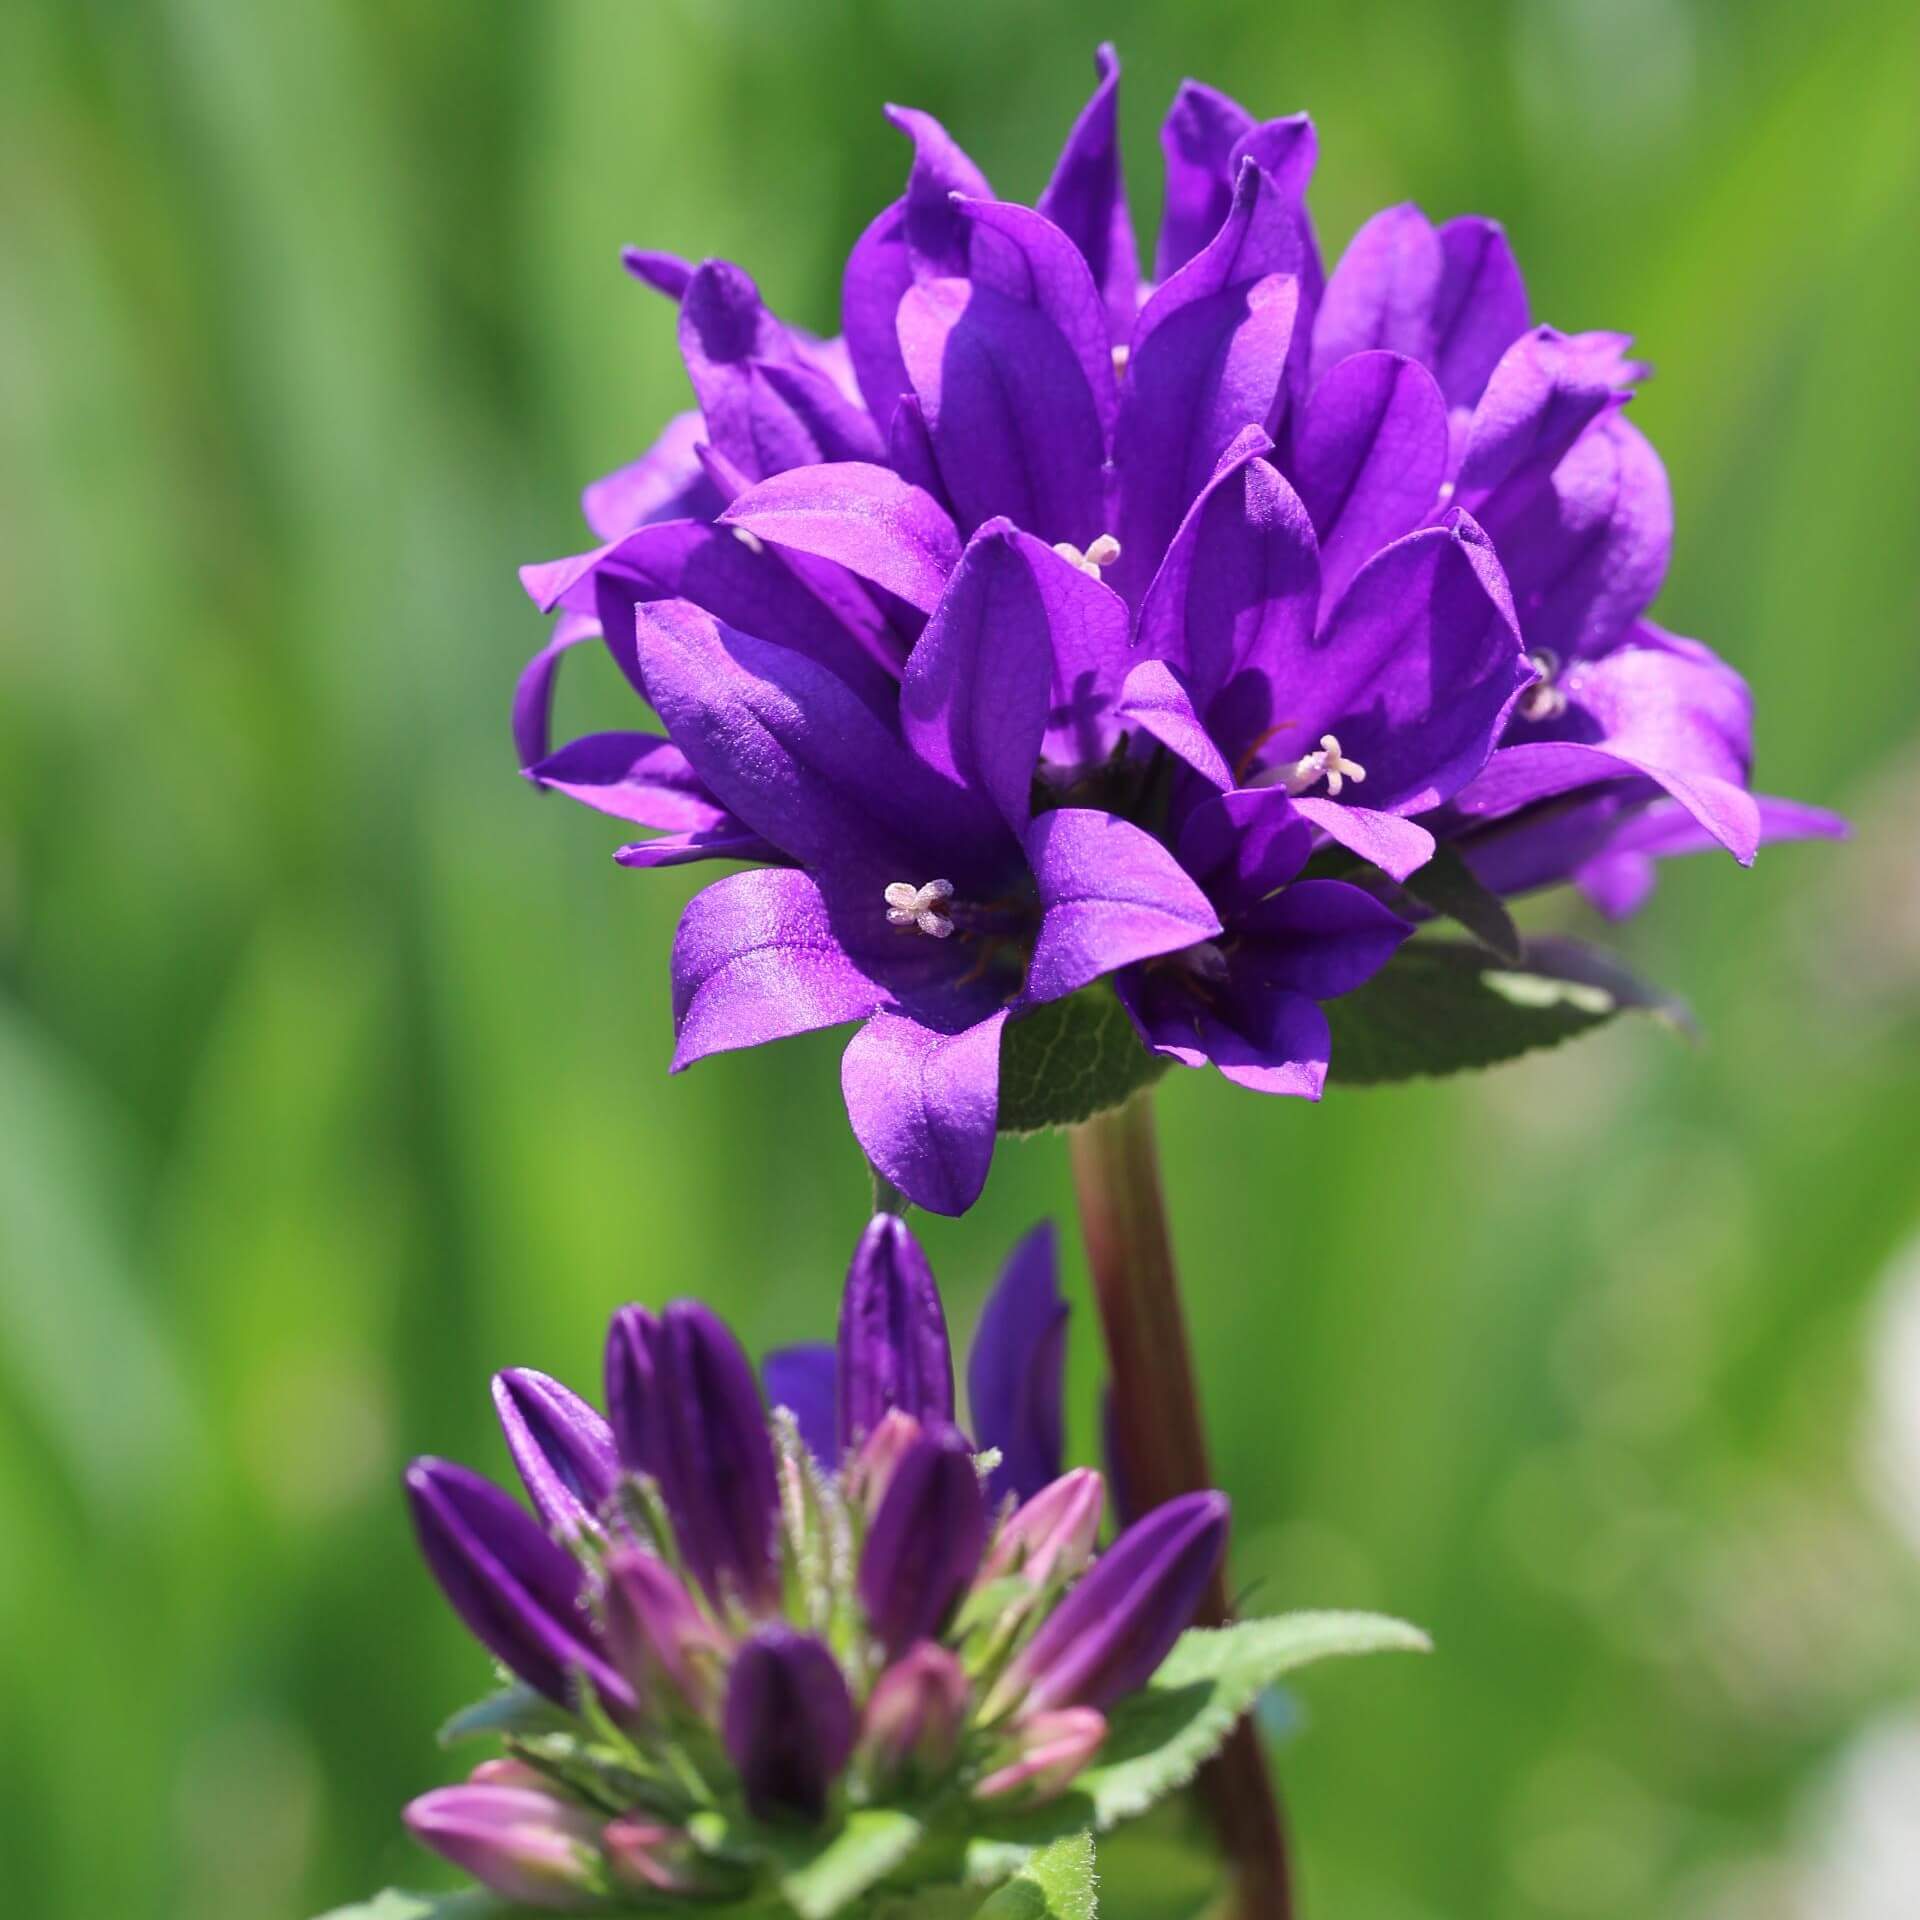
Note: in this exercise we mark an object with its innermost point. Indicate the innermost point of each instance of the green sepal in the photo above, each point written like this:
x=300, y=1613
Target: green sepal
x=1071, y=1060
x=1056, y=1884
x=1445, y=1006
x=1448, y=885
x=514, y=1711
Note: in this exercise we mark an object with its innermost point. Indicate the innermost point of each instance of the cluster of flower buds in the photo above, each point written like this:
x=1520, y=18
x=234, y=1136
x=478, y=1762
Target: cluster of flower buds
x=775, y=1616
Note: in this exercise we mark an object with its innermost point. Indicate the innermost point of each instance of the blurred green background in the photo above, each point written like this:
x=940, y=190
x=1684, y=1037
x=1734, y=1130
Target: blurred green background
x=332, y=1060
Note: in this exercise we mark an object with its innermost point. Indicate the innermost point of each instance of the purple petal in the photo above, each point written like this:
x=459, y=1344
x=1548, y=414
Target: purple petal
x=633, y=776
x=1016, y=1369
x=533, y=692
x=1370, y=452
x=1156, y=700
x=756, y=958
x=562, y=1447
x=766, y=406
x=728, y=841
x=1321, y=938
x=667, y=482
x=1242, y=845
x=1087, y=198
x=862, y=517
x=631, y=1372
x=1198, y=137
x=1209, y=359
x=910, y=451
x=1480, y=309
x=1013, y=422
x=665, y=273
x=1111, y=895
x=1275, y=1043
x=520, y=1843
x=802, y=1379
x=1236, y=593
x=1383, y=292
x=1397, y=847
x=794, y=752
x=979, y=685
x=893, y=1353
x=924, y=1104
x=1415, y=671
x=788, y=1724
x=925, y=1543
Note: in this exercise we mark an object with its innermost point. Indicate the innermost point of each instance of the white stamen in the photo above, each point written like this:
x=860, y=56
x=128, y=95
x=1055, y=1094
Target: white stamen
x=1121, y=355
x=1544, y=700
x=1328, y=764
x=1101, y=552
x=1205, y=959
x=749, y=539
x=919, y=907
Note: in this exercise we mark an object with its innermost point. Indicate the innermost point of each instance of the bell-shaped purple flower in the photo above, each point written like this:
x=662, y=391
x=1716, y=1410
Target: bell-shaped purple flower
x=893, y=1335
x=1016, y=1368
x=519, y=1592
x=563, y=1448
x=1110, y=1634
x=656, y=1633
x=915, y=1713
x=788, y=1723
x=633, y=1388
x=926, y=1540
x=523, y=1844
x=713, y=1457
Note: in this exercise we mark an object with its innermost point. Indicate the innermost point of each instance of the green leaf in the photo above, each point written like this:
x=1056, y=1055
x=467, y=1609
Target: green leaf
x=1448, y=885
x=1071, y=1060
x=1443, y=1006
x=513, y=1710
x=471, y=1904
x=1056, y=1884
x=863, y=1852
x=1159, y=1738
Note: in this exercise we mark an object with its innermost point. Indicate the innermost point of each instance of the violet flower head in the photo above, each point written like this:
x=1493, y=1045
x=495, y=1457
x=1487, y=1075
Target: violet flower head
x=780, y=1626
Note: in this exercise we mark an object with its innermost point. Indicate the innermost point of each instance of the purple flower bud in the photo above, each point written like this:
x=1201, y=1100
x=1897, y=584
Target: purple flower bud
x=871, y=1470
x=655, y=1632
x=564, y=1450
x=1109, y=1634
x=518, y=1591
x=893, y=1334
x=1052, y=1749
x=1017, y=1366
x=926, y=1541
x=915, y=1713
x=788, y=1723
x=801, y=1379
x=650, y=1858
x=633, y=1394
x=524, y=1845
x=1052, y=1536
x=713, y=1457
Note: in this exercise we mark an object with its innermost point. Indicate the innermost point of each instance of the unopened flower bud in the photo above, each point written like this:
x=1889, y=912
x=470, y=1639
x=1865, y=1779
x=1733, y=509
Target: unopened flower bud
x=647, y=1857
x=1051, y=1751
x=533, y=1847
x=1051, y=1537
x=564, y=1450
x=657, y=1634
x=925, y=1544
x=893, y=1334
x=916, y=1712
x=633, y=1388
x=870, y=1472
x=788, y=1723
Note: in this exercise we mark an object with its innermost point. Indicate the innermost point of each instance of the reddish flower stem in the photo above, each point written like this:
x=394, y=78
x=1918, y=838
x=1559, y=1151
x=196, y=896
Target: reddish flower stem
x=1156, y=1428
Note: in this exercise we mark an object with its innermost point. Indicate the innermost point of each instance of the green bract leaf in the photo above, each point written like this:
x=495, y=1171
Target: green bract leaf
x=1071, y=1060
x=1448, y=885
x=820, y=1880
x=1443, y=1006
x=1056, y=1884
x=1159, y=1738
x=513, y=1710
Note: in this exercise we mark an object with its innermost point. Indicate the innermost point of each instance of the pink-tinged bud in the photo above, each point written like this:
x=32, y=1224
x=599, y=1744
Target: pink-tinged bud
x=1052, y=1536
x=657, y=1634
x=1053, y=1749
x=510, y=1773
x=916, y=1712
x=531, y=1847
x=646, y=1857
x=871, y=1471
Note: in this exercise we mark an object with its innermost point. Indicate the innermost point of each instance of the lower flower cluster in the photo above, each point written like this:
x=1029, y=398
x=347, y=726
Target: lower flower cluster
x=727, y=1620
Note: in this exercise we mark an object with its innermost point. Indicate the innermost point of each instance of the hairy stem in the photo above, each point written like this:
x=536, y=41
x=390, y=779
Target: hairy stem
x=1156, y=1434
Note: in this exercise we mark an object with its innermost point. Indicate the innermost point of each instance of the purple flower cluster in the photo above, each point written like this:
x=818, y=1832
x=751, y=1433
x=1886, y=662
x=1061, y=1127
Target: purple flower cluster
x=1043, y=627
x=778, y=1617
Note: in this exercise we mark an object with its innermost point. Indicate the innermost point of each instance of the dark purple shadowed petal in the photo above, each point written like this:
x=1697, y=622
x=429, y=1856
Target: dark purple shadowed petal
x=788, y=1724
x=562, y=1447
x=1016, y=1369
x=803, y=1380
x=893, y=1350
x=1370, y=452
x=1087, y=199
x=1240, y=846
x=715, y=1460
x=631, y=1375
x=667, y=482
x=728, y=841
x=864, y=518
x=1321, y=938
x=1480, y=309
x=924, y=1103
x=1156, y=700
x=925, y=1542
x=1108, y=1637
x=1383, y=292
x=1111, y=894
x=519, y=1592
